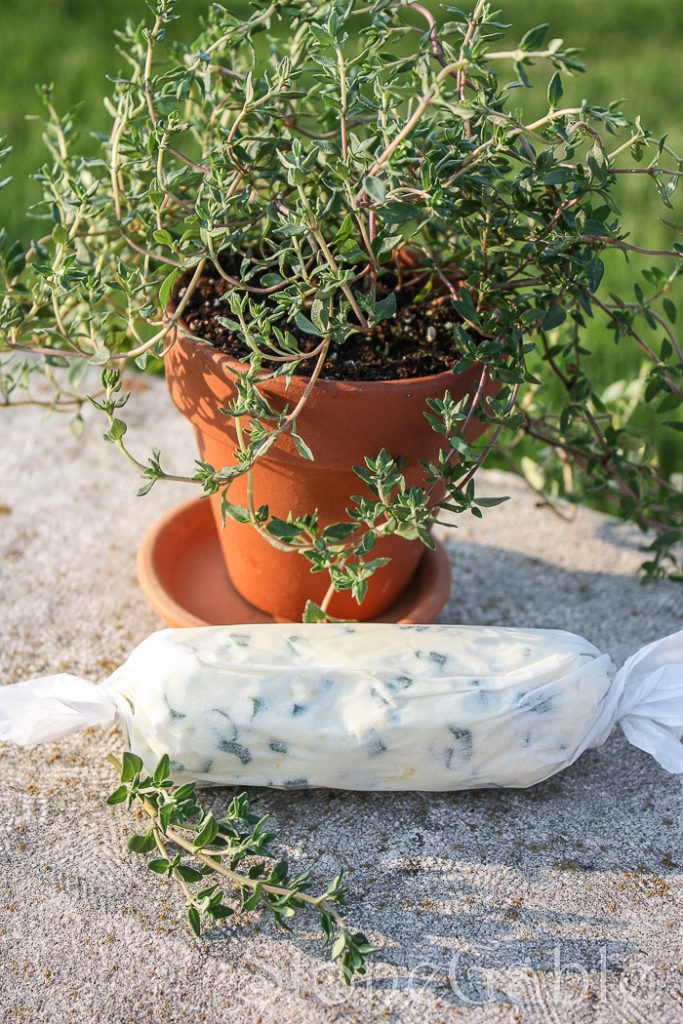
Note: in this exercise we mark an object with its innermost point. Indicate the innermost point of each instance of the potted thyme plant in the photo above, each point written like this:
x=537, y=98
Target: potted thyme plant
x=364, y=268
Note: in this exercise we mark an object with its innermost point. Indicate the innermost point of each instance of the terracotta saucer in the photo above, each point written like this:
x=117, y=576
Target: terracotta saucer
x=183, y=576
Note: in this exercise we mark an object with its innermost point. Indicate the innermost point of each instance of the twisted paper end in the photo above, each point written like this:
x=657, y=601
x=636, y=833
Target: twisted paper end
x=51, y=707
x=650, y=704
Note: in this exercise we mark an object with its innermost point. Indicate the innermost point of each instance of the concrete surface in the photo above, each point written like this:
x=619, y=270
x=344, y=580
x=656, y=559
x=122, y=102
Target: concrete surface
x=561, y=903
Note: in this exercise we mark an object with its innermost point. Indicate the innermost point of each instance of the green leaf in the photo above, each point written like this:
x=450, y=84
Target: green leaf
x=162, y=770
x=384, y=309
x=534, y=38
x=130, y=766
x=100, y=357
x=278, y=875
x=283, y=530
x=271, y=280
x=185, y=791
x=239, y=513
x=345, y=231
x=560, y=176
x=387, y=243
x=596, y=271
x=336, y=532
x=167, y=287
x=555, y=90
x=116, y=431
x=313, y=613
x=142, y=844
x=189, y=874
x=399, y=213
x=16, y=259
x=252, y=900
x=367, y=542
x=163, y=237
x=159, y=866
x=458, y=110
x=193, y=918
x=597, y=161
x=375, y=188
x=207, y=833
x=302, y=448
x=118, y=796
x=555, y=316
x=319, y=314
x=490, y=502
x=305, y=325
x=166, y=814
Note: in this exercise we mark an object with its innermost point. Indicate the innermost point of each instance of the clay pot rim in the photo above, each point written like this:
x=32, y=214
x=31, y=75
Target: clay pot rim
x=369, y=387
x=222, y=359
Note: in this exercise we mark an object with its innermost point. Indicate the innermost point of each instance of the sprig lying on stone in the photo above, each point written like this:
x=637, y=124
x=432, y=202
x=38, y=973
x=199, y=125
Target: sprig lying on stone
x=201, y=853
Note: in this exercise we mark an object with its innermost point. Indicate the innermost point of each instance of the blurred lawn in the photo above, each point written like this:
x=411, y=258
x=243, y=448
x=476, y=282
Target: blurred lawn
x=632, y=49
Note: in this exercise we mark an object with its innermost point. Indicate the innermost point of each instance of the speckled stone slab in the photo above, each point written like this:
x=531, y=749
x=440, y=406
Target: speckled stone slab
x=559, y=903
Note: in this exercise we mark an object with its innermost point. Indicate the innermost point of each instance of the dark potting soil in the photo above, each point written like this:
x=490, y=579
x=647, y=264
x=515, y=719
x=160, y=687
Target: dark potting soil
x=416, y=342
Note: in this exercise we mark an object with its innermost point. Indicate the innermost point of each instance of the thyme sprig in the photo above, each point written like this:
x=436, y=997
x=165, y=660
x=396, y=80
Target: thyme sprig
x=194, y=847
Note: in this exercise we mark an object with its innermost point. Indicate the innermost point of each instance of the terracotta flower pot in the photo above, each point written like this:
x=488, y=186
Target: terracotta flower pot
x=342, y=422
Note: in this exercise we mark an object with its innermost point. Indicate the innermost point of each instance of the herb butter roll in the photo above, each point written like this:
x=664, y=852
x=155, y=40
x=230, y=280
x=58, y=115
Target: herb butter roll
x=366, y=707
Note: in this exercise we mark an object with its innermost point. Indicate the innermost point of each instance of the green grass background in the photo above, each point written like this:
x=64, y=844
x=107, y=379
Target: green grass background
x=632, y=49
